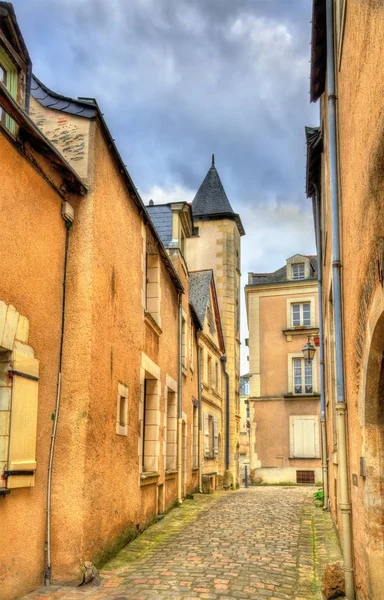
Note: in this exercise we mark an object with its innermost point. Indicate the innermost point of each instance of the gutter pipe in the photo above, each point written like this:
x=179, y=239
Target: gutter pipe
x=47, y=577
x=200, y=416
x=224, y=365
x=180, y=405
x=341, y=407
x=324, y=445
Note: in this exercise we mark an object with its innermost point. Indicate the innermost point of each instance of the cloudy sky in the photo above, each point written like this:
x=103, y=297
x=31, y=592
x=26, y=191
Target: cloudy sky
x=180, y=79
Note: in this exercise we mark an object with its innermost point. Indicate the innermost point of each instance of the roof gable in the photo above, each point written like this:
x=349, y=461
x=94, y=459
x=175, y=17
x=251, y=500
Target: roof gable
x=202, y=296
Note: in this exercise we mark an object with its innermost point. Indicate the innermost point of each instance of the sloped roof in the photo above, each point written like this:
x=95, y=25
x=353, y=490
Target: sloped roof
x=161, y=217
x=212, y=202
x=211, y=198
x=199, y=289
x=72, y=106
x=314, y=139
x=318, y=50
x=200, y=285
x=280, y=276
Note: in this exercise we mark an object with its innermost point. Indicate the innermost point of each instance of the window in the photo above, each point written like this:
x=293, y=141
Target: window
x=247, y=410
x=301, y=314
x=122, y=410
x=202, y=374
x=211, y=436
x=152, y=287
x=298, y=271
x=305, y=477
x=195, y=438
x=8, y=76
x=171, y=431
x=184, y=343
x=217, y=377
x=150, y=425
x=209, y=371
x=304, y=437
x=302, y=376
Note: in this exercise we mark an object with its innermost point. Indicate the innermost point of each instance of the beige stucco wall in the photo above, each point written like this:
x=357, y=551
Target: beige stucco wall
x=273, y=343
x=31, y=273
x=360, y=133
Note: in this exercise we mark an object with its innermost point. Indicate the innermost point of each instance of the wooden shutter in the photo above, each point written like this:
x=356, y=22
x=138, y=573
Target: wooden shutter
x=22, y=443
x=206, y=435
x=215, y=437
x=304, y=442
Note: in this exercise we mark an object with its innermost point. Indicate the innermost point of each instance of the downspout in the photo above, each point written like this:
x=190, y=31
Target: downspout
x=55, y=416
x=180, y=404
x=324, y=446
x=345, y=504
x=224, y=366
x=200, y=416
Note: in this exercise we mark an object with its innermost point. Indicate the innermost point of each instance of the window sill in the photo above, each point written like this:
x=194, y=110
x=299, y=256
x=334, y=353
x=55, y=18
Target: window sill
x=149, y=477
x=150, y=321
x=300, y=330
x=296, y=396
x=184, y=370
x=195, y=469
x=170, y=474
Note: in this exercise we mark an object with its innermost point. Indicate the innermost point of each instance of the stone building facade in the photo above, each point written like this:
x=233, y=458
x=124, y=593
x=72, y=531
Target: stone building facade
x=101, y=410
x=345, y=181
x=282, y=312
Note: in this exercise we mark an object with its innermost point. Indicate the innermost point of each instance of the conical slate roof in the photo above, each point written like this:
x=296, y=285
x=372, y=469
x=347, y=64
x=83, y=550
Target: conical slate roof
x=211, y=201
x=211, y=198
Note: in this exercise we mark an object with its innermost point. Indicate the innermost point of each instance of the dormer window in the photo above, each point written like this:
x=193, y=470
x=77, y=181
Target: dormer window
x=298, y=271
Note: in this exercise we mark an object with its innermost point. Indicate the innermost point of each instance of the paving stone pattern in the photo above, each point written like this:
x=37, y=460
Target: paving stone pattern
x=260, y=543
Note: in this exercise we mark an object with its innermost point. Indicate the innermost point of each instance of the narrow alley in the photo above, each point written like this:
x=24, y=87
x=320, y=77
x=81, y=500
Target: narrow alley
x=256, y=543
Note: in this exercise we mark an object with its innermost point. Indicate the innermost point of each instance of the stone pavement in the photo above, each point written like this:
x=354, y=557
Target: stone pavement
x=260, y=543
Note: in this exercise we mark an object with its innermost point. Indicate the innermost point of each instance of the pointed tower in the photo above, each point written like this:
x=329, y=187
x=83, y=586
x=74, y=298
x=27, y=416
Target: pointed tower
x=216, y=245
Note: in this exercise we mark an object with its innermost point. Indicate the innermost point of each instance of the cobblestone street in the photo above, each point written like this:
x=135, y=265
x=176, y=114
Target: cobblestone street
x=264, y=542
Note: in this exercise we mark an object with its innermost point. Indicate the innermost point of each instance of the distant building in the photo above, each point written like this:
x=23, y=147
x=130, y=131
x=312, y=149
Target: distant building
x=245, y=428
x=216, y=244
x=282, y=311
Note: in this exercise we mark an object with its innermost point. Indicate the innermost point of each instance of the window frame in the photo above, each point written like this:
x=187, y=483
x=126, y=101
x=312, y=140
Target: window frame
x=302, y=318
x=301, y=300
x=293, y=265
x=291, y=375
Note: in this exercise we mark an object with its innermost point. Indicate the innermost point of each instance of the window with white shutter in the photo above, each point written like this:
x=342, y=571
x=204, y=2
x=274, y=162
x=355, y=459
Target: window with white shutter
x=23, y=428
x=215, y=437
x=206, y=436
x=304, y=442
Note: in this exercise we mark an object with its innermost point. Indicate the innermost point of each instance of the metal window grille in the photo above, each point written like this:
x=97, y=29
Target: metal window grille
x=305, y=476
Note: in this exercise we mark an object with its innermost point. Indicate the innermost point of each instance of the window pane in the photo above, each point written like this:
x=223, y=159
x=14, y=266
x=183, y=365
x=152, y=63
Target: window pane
x=306, y=314
x=295, y=315
x=308, y=377
x=297, y=376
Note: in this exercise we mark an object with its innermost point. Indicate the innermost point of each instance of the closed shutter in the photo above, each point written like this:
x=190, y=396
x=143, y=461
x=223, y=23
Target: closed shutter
x=215, y=437
x=304, y=445
x=22, y=443
x=206, y=435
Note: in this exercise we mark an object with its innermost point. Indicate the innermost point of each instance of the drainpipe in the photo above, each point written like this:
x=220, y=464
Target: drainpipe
x=324, y=446
x=200, y=416
x=180, y=405
x=224, y=366
x=345, y=504
x=47, y=577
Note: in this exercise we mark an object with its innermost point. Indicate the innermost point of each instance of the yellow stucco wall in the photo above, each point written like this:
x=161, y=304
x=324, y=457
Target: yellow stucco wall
x=31, y=272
